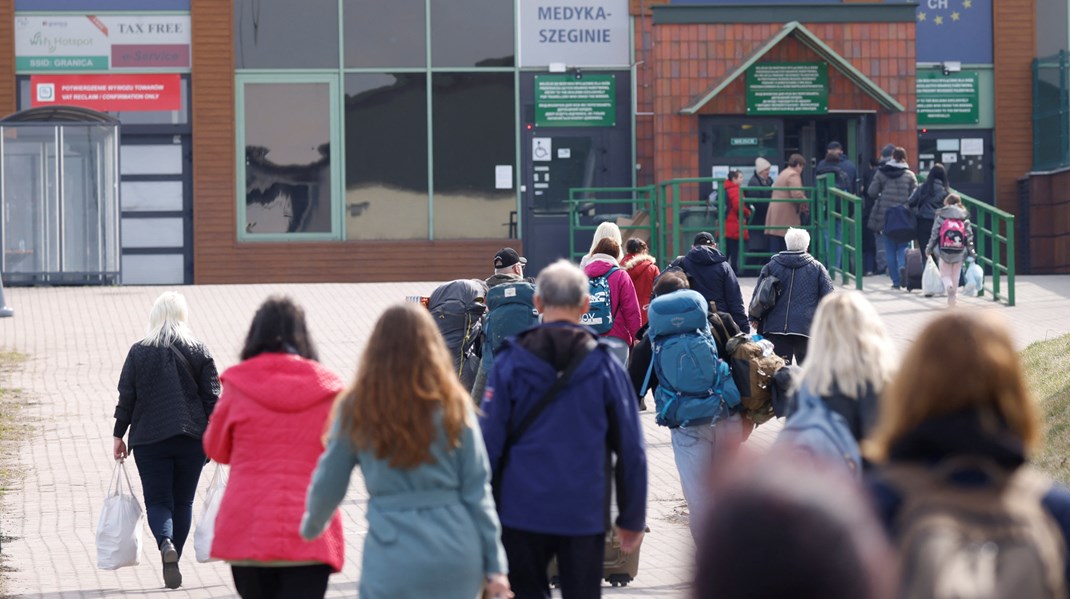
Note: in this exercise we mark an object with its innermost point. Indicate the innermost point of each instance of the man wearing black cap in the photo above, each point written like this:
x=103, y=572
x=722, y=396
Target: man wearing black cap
x=708, y=272
x=508, y=267
x=844, y=164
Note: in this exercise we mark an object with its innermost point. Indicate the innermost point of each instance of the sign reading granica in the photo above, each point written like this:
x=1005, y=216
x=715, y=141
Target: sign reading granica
x=564, y=101
x=948, y=99
x=788, y=88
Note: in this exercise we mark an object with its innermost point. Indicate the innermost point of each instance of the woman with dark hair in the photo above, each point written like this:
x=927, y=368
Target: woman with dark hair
x=643, y=269
x=408, y=423
x=733, y=224
x=167, y=392
x=892, y=186
x=269, y=427
x=927, y=199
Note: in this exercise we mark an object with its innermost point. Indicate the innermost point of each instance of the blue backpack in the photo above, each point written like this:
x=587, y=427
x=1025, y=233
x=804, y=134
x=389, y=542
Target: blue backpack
x=815, y=431
x=511, y=310
x=600, y=314
x=694, y=385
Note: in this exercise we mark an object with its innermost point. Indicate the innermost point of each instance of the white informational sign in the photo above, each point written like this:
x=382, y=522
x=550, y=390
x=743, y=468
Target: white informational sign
x=564, y=152
x=972, y=146
x=102, y=42
x=503, y=176
x=949, y=158
x=592, y=33
x=542, y=149
x=947, y=145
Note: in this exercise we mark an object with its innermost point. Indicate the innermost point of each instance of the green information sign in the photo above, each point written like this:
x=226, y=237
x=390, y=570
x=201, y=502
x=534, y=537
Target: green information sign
x=744, y=141
x=564, y=101
x=948, y=99
x=788, y=88
x=61, y=63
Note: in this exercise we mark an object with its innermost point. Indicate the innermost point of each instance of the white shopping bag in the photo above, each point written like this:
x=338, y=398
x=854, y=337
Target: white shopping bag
x=975, y=279
x=119, y=527
x=931, y=284
x=205, y=532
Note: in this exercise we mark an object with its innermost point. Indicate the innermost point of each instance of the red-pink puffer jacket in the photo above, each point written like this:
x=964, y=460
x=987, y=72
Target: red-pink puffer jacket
x=269, y=425
x=622, y=298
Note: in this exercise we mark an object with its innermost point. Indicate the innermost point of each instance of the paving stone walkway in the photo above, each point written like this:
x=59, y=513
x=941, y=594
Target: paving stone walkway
x=76, y=340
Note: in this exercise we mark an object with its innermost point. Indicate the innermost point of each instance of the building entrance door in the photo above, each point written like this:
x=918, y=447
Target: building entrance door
x=810, y=136
x=966, y=155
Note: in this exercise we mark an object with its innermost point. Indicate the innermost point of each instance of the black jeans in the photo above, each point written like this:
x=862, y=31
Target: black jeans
x=286, y=582
x=169, y=472
x=579, y=563
x=776, y=243
x=787, y=346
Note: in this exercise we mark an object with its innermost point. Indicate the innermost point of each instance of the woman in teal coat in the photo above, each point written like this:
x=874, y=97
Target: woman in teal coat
x=432, y=527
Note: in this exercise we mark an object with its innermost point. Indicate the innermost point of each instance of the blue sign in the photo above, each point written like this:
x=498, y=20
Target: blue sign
x=101, y=5
x=954, y=30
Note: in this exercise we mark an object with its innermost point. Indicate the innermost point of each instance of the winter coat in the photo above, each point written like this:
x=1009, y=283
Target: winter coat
x=708, y=272
x=962, y=434
x=891, y=186
x=785, y=214
x=269, y=427
x=160, y=399
x=622, y=297
x=731, y=220
x=643, y=269
x=953, y=211
x=927, y=200
x=495, y=280
x=432, y=529
x=760, y=208
x=803, y=282
x=556, y=481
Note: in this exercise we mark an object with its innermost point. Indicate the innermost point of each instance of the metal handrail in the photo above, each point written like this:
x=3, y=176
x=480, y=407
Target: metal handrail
x=642, y=199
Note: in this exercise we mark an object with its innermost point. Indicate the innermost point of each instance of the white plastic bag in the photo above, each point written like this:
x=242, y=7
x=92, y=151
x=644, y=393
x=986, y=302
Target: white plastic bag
x=119, y=527
x=205, y=532
x=975, y=279
x=931, y=284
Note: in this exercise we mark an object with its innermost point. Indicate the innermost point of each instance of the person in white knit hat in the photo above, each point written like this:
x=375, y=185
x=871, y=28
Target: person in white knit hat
x=760, y=178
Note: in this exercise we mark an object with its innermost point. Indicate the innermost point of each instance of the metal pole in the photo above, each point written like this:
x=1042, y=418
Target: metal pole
x=4, y=310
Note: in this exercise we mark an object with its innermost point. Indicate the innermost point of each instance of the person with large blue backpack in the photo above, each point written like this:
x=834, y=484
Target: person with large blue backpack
x=696, y=397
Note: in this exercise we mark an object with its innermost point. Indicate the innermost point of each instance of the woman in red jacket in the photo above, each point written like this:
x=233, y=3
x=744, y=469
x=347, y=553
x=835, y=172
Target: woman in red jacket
x=643, y=269
x=731, y=220
x=269, y=426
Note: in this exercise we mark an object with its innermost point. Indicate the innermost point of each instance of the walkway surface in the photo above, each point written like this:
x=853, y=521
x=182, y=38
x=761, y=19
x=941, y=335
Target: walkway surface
x=76, y=340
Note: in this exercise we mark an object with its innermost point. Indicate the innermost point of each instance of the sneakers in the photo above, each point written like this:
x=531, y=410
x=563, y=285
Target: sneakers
x=172, y=578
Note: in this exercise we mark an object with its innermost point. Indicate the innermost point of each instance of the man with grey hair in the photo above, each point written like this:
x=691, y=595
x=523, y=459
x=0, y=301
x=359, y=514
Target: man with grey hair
x=803, y=282
x=556, y=403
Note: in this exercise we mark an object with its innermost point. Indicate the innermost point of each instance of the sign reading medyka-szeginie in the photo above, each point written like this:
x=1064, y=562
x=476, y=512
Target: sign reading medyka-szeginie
x=593, y=33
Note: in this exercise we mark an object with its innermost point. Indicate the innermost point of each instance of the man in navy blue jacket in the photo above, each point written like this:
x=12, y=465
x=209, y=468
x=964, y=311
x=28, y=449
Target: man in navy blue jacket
x=553, y=491
x=708, y=273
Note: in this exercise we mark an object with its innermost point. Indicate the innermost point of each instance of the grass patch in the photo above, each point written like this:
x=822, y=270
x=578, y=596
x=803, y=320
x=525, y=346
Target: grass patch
x=1047, y=370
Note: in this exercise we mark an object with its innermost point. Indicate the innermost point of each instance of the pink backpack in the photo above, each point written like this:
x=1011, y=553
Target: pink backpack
x=953, y=235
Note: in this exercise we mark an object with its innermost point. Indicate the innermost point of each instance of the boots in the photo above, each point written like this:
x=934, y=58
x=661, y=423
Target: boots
x=172, y=578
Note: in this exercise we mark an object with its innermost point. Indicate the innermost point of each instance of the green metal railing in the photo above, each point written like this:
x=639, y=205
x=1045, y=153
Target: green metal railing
x=587, y=201
x=1051, y=112
x=993, y=238
x=840, y=231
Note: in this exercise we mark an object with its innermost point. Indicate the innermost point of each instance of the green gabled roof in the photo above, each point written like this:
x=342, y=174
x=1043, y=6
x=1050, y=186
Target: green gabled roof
x=813, y=42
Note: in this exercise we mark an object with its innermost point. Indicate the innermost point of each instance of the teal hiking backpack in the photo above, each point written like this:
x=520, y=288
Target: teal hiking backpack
x=694, y=385
x=600, y=314
x=511, y=310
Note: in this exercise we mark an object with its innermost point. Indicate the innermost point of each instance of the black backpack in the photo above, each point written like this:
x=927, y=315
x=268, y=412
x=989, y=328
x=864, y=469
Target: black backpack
x=458, y=308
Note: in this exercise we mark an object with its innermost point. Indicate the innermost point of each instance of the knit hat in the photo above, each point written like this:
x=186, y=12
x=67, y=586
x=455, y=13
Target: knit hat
x=761, y=164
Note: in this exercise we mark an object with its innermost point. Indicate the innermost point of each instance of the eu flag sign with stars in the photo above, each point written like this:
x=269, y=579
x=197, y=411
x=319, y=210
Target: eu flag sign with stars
x=954, y=30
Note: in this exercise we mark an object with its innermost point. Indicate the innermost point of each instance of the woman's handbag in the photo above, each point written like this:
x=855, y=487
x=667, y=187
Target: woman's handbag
x=119, y=527
x=205, y=532
x=931, y=283
x=764, y=297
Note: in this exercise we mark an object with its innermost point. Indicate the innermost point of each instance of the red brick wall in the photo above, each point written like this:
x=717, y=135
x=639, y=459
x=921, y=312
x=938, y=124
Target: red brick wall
x=644, y=118
x=8, y=90
x=1014, y=47
x=689, y=59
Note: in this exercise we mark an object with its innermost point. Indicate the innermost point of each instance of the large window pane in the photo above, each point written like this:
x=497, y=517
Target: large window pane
x=287, y=158
x=474, y=131
x=472, y=33
x=283, y=34
x=385, y=33
x=386, y=156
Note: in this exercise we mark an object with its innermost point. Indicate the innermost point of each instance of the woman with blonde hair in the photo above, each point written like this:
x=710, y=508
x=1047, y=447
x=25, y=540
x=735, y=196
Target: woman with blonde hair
x=408, y=423
x=956, y=430
x=167, y=392
x=850, y=360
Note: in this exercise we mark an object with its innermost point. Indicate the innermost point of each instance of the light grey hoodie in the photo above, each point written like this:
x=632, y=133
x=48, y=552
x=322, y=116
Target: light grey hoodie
x=944, y=213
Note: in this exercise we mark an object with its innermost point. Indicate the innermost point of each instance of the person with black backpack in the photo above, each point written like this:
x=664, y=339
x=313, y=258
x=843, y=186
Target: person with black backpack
x=954, y=487
x=927, y=199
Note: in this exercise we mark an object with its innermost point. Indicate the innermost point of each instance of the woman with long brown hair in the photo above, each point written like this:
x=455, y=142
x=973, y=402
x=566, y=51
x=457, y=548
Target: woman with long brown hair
x=408, y=423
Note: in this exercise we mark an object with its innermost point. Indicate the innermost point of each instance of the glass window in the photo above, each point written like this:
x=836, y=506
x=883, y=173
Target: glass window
x=385, y=33
x=472, y=33
x=745, y=141
x=386, y=156
x=474, y=131
x=287, y=158
x=283, y=34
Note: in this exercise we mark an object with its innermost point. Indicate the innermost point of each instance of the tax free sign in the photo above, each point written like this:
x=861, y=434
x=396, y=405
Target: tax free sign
x=65, y=42
x=578, y=33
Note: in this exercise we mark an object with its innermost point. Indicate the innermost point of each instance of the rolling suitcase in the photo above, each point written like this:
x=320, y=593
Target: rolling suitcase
x=912, y=269
x=618, y=569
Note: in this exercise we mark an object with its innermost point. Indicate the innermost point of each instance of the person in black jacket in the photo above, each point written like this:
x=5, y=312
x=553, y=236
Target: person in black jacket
x=167, y=391
x=869, y=239
x=760, y=178
x=927, y=199
x=708, y=273
x=803, y=282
